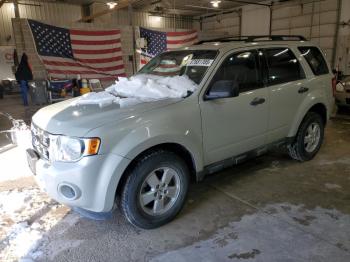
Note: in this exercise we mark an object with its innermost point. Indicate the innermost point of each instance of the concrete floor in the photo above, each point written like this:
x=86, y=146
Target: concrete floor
x=268, y=209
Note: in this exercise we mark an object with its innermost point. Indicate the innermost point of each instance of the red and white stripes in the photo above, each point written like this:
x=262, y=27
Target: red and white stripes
x=181, y=39
x=97, y=54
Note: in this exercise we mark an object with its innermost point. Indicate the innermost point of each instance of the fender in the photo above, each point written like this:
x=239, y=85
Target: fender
x=316, y=97
x=173, y=124
x=133, y=142
x=134, y=146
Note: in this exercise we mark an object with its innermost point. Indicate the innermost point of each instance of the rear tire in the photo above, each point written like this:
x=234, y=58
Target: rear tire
x=155, y=190
x=309, y=138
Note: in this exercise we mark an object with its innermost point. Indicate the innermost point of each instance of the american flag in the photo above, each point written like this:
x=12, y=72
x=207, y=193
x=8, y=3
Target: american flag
x=158, y=42
x=67, y=53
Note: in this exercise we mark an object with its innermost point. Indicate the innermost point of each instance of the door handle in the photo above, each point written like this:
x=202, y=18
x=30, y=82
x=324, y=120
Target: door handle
x=303, y=89
x=257, y=101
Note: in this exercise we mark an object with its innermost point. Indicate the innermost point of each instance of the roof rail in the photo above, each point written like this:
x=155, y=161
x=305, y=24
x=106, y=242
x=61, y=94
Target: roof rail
x=255, y=38
x=276, y=38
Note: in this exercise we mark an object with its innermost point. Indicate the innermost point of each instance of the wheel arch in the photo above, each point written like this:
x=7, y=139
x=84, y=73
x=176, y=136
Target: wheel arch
x=176, y=148
x=318, y=107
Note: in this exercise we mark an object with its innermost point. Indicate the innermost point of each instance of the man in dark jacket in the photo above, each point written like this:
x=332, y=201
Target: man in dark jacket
x=23, y=75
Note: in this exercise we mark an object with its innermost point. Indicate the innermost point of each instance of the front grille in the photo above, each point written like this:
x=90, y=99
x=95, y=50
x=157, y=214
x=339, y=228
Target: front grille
x=40, y=141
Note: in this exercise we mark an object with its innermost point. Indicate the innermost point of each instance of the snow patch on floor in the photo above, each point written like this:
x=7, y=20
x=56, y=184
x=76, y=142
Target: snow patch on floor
x=13, y=162
x=27, y=217
x=23, y=239
x=11, y=203
x=139, y=89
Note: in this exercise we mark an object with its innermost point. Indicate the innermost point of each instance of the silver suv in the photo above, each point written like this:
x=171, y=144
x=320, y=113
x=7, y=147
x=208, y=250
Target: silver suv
x=253, y=93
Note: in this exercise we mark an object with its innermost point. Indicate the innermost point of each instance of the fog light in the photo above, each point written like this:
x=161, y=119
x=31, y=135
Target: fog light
x=69, y=192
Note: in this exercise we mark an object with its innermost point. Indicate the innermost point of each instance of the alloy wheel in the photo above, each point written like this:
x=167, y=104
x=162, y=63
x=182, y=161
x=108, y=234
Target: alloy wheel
x=312, y=137
x=159, y=191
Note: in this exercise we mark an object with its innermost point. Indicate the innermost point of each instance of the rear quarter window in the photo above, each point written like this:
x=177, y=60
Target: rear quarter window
x=315, y=59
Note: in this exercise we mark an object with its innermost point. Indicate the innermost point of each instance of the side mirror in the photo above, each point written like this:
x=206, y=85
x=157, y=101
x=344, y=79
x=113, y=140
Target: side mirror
x=222, y=89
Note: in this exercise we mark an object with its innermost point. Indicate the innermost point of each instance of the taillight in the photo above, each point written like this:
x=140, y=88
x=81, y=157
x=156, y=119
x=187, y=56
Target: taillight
x=334, y=84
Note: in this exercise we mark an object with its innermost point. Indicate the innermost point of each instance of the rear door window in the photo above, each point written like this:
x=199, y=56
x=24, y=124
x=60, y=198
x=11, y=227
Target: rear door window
x=315, y=59
x=283, y=66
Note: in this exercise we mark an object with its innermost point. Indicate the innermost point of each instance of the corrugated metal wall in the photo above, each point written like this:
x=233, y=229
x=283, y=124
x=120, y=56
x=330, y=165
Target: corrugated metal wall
x=6, y=35
x=316, y=21
x=54, y=13
x=225, y=23
x=65, y=13
x=144, y=19
x=121, y=17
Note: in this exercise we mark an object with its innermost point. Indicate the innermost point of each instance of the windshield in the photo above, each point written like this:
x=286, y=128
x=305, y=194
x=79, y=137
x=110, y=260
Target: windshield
x=193, y=63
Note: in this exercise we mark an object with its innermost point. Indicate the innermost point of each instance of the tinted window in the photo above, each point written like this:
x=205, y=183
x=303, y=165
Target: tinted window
x=315, y=60
x=242, y=69
x=283, y=66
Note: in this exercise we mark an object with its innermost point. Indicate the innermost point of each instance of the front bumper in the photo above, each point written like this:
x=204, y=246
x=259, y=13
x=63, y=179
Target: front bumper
x=90, y=183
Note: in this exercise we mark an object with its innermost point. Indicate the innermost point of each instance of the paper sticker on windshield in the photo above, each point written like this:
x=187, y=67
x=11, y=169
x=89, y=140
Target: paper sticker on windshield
x=200, y=62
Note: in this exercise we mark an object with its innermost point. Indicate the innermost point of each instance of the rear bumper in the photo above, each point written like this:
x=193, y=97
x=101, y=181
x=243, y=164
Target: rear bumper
x=342, y=99
x=89, y=183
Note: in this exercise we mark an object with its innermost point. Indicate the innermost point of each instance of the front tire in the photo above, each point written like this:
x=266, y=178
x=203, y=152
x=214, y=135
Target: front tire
x=155, y=190
x=309, y=138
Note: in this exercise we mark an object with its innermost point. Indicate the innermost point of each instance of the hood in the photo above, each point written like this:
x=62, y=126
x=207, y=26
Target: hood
x=76, y=120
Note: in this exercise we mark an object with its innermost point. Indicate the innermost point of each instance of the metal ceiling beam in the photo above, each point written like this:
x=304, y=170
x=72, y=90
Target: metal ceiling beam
x=20, y=3
x=121, y=4
x=204, y=7
x=248, y=3
x=2, y=2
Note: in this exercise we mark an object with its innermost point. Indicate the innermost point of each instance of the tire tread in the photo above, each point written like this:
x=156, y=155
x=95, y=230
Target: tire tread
x=294, y=149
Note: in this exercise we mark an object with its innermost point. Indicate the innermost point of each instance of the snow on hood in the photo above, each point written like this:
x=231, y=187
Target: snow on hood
x=138, y=89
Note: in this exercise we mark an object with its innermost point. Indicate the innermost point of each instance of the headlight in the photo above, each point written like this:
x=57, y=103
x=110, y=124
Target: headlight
x=71, y=149
x=340, y=87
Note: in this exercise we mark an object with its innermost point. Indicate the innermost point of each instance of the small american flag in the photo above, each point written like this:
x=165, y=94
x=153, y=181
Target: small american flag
x=158, y=42
x=67, y=53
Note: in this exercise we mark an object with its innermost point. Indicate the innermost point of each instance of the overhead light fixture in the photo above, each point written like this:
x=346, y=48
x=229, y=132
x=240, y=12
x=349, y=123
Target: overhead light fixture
x=157, y=18
x=111, y=5
x=215, y=3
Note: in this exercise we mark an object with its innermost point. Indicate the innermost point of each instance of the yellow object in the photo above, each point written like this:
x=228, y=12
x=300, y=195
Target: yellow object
x=93, y=145
x=84, y=90
x=63, y=92
x=84, y=87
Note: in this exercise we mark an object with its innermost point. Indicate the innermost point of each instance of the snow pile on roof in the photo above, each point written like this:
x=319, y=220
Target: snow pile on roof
x=140, y=88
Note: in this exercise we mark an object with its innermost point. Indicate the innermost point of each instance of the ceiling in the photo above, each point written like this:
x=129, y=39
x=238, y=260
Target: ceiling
x=180, y=7
x=187, y=7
